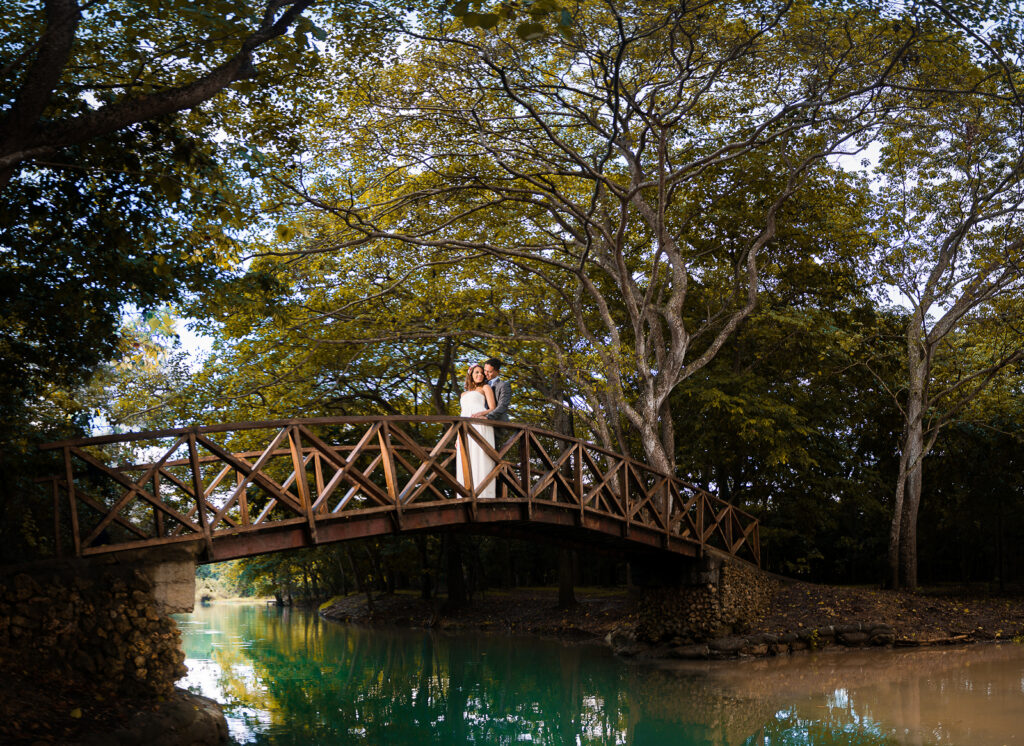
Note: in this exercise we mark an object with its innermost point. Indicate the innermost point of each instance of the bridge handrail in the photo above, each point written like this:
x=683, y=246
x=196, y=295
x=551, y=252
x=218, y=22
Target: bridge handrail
x=723, y=510
x=361, y=420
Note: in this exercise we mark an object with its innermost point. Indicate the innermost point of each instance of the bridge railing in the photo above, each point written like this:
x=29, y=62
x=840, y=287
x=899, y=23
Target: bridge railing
x=204, y=482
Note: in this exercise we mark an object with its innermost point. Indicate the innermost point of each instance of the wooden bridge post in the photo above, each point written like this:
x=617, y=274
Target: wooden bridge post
x=524, y=470
x=318, y=472
x=301, y=483
x=197, y=488
x=69, y=477
x=158, y=516
x=390, y=474
x=667, y=515
x=730, y=519
x=700, y=521
x=243, y=499
x=756, y=545
x=58, y=544
x=577, y=475
x=625, y=497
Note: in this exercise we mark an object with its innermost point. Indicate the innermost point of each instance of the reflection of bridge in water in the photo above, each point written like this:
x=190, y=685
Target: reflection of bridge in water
x=256, y=487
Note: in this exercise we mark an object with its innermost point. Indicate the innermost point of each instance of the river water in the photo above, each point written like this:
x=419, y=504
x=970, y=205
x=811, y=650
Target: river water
x=288, y=677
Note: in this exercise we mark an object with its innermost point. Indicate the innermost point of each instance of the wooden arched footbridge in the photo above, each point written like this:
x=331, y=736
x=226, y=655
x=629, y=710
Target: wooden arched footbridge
x=256, y=487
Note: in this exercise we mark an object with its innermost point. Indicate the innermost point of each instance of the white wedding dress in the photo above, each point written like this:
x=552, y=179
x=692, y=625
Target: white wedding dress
x=480, y=464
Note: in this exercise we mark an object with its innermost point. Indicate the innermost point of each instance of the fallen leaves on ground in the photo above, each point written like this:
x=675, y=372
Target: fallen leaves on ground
x=921, y=615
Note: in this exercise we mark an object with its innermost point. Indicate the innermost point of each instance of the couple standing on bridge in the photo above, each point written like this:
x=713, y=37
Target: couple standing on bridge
x=486, y=396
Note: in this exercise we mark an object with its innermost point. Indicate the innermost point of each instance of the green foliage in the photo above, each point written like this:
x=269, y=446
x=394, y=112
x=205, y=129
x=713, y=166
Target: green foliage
x=585, y=208
x=972, y=518
x=132, y=136
x=112, y=199
x=379, y=309
x=533, y=19
x=788, y=423
x=949, y=214
x=212, y=582
x=82, y=239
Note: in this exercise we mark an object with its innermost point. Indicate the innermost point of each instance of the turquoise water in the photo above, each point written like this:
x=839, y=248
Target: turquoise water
x=287, y=677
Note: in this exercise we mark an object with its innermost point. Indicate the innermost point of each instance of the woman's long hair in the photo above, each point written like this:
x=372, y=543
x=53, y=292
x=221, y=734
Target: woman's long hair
x=470, y=385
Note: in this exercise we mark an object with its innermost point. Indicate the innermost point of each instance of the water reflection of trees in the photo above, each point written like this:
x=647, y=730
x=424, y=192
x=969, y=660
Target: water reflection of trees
x=302, y=681
x=787, y=728
x=327, y=684
x=712, y=715
x=293, y=679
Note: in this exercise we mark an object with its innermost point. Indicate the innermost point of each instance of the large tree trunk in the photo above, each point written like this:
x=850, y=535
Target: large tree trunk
x=654, y=447
x=902, y=553
x=662, y=460
x=893, y=556
x=908, y=544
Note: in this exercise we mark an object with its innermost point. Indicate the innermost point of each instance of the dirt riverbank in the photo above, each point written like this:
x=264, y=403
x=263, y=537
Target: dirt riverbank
x=919, y=618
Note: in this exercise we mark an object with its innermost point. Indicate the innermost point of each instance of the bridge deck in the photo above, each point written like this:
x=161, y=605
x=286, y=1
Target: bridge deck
x=251, y=488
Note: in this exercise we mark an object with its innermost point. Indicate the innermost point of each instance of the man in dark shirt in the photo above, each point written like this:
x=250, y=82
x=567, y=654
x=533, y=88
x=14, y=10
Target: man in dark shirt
x=502, y=390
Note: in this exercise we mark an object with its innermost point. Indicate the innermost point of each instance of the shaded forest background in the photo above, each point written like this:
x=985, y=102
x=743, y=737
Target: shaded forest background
x=773, y=247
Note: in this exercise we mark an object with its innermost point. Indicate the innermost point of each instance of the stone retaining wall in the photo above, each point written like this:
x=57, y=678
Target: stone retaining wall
x=738, y=595
x=97, y=622
x=712, y=618
x=851, y=635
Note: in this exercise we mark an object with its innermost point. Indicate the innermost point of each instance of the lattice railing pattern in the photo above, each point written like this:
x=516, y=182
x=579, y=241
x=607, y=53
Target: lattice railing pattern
x=207, y=482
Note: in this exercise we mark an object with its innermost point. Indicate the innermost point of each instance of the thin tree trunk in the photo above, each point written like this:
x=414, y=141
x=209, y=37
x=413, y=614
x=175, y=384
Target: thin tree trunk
x=426, y=581
x=342, y=574
x=457, y=597
x=377, y=572
x=1000, y=544
x=361, y=583
x=437, y=390
x=506, y=554
x=566, y=590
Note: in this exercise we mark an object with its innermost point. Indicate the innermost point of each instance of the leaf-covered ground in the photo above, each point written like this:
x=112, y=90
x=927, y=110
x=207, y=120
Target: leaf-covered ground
x=923, y=617
x=926, y=616
x=521, y=611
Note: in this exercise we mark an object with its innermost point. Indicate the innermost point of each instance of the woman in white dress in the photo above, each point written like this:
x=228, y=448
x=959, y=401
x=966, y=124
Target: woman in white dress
x=478, y=398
